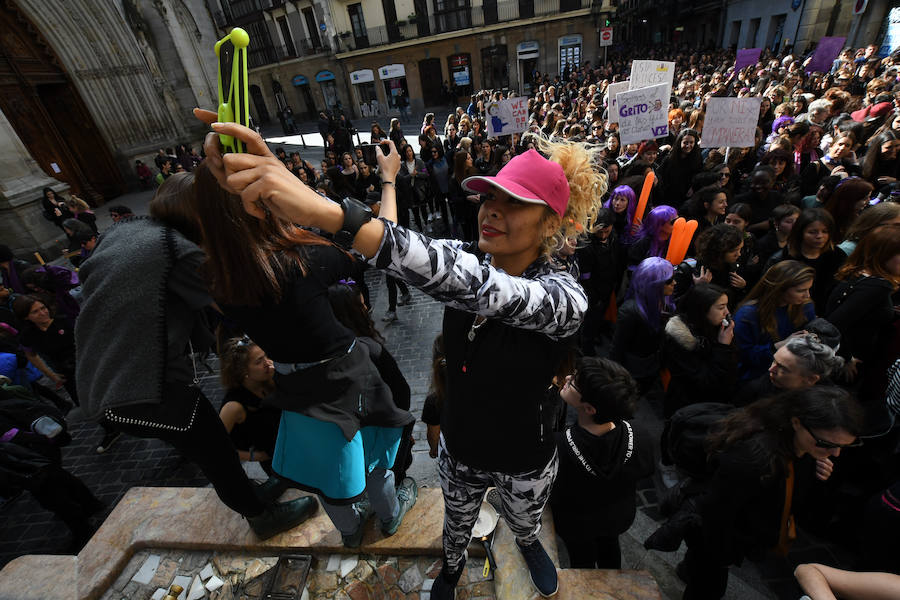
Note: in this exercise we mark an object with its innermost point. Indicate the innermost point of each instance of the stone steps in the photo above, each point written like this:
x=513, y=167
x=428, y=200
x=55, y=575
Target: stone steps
x=194, y=518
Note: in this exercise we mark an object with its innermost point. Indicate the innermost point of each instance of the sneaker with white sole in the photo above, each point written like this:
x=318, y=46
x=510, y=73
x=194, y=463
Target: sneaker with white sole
x=108, y=440
x=406, y=496
x=389, y=316
x=541, y=568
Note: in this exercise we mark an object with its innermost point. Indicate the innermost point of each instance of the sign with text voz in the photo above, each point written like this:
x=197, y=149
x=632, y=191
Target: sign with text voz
x=643, y=113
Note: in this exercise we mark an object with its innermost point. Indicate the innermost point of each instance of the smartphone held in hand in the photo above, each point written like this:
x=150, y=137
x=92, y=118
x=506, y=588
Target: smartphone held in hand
x=234, y=105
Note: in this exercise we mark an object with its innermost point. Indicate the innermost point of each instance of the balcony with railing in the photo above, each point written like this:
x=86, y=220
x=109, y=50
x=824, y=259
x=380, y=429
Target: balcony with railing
x=456, y=19
x=262, y=55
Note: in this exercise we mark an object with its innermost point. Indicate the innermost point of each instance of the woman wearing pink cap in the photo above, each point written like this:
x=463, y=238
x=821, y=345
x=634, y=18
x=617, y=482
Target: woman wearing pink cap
x=510, y=316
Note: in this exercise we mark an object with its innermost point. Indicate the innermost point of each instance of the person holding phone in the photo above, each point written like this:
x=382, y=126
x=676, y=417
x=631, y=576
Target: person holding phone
x=510, y=318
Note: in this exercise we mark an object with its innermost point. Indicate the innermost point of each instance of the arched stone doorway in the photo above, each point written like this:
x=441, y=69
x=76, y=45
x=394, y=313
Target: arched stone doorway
x=48, y=114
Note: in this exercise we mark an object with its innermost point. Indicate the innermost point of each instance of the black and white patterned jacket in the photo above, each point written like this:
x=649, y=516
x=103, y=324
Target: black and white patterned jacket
x=544, y=299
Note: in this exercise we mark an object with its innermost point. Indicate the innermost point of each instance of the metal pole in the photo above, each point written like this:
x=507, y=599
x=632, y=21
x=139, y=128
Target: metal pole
x=727, y=152
x=604, y=55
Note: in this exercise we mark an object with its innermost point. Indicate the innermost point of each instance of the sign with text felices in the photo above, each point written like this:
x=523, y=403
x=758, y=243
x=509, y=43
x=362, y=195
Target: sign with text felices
x=827, y=50
x=611, y=103
x=643, y=113
x=730, y=122
x=507, y=117
x=645, y=73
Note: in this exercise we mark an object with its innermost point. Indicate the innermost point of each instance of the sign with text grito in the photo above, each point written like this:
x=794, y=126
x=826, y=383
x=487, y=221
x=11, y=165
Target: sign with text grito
x=507, y=117
x=643, y=113
x=730, y=122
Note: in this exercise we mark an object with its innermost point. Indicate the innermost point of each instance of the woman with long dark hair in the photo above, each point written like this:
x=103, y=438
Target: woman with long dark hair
x=764, y=455
x=718, y=252
x=463, y=204
x=698, y=351
x=846, y=203
x=812, y=242
x=777, y=307
x=881, y=165
x=147, y=389
x=678, y=169
x=55, y=209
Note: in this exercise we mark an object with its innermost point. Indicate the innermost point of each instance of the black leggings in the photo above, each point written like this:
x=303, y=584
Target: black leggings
x=67, y=497
x=392, y=284
x=602, y=552
x=206, y=444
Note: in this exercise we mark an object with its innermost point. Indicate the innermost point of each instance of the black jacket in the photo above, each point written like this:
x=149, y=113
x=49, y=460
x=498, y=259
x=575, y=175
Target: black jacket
x=635, y=344
x=597, y=497
x=703, y=370
x=601, y=265
x=862, y=309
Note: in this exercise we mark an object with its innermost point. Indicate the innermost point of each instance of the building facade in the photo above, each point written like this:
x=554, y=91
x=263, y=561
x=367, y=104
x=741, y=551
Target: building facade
x=436, y=52
x=87, y=87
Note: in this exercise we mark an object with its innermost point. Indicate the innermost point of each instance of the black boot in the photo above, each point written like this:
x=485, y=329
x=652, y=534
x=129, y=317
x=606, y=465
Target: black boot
x=282, y=517
x=444, y=587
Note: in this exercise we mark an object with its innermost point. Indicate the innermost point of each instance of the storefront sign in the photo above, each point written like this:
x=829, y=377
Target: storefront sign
x=299, y=80
x=324, y=76
x=528, y=49
x=391, y=71
x=730, y=122
x=643, y=113
x=507, y=117
x=362, y=76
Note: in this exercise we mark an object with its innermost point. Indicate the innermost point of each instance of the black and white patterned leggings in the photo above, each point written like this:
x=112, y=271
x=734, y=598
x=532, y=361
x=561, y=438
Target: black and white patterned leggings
x=522, y=495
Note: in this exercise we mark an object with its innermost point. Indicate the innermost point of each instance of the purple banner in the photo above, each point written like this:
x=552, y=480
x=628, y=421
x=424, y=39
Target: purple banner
x=827, y=50
x=746, y=58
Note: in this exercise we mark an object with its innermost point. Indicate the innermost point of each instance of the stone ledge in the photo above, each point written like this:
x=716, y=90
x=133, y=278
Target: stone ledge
x=195, y=519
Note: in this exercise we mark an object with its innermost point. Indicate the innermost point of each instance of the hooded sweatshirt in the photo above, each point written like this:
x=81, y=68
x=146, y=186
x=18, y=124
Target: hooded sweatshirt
x=594, y=493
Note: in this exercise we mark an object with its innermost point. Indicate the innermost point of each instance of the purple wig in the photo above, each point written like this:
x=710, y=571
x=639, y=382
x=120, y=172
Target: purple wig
x=647, y=285
x=627, y=192
x=781, y=122
x=651, y=226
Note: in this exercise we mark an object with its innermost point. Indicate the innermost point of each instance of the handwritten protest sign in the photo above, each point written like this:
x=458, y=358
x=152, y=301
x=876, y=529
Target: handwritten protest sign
x=643, y=113
x=507, y=116
x=827, y=50
x=611, y=103
x=730, y=122
x=645, y=73
x=746, y=58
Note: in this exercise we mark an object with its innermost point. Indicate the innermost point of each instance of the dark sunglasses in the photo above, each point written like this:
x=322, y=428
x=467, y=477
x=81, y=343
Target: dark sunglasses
x=825, y=444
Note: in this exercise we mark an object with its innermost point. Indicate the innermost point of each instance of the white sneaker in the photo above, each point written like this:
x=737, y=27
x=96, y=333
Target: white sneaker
x=389, y=316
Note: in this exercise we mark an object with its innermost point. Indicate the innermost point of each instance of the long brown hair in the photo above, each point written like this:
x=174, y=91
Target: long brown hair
x=872, y=253
x=247, y=258
x=768, y=293
x=769, y=422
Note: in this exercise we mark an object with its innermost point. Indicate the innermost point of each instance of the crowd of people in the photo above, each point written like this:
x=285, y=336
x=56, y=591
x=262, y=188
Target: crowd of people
x=768, y=344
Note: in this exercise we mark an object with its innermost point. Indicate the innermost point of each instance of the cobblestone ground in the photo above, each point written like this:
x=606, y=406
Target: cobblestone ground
x=229, y=575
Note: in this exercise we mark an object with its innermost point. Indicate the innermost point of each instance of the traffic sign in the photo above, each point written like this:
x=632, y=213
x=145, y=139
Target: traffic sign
x=605, y=36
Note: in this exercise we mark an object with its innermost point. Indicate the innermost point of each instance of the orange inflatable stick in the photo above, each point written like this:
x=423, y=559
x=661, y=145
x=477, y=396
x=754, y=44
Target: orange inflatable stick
x=645, y=196
x=677, y=227
x=686, y=234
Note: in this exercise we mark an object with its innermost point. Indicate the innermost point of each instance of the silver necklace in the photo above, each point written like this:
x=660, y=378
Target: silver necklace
x=476, y=324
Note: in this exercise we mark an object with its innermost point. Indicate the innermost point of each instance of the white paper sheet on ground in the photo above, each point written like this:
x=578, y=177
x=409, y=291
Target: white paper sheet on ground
x=348, y=564
x=158, y=594
x=147, y=570
x=197, y=589
x=214, y=583
x=185, y=583
x=254, y=472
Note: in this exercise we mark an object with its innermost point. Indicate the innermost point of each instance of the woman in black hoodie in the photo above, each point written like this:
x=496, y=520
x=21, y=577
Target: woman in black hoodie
x=602, y=457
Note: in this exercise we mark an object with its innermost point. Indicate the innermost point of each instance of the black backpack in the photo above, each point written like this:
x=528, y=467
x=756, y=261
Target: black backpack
x=685, y=433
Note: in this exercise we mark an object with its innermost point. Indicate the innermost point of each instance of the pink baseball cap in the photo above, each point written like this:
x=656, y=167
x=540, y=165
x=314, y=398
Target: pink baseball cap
x=529, y=177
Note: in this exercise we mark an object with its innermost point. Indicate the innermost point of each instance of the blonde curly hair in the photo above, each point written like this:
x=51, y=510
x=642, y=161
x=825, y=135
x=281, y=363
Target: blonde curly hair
x=587, y=185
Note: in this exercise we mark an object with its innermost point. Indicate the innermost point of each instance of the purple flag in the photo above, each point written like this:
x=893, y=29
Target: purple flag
x=746, y=57
x=827, y=50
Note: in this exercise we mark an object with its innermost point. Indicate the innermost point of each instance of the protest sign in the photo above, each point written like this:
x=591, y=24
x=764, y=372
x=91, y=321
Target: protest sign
x=827, y=50
x=746, y=58
x=643, y=113
x=611, y=103
x=645, y=73
x=507, y=116
x=730, y=122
